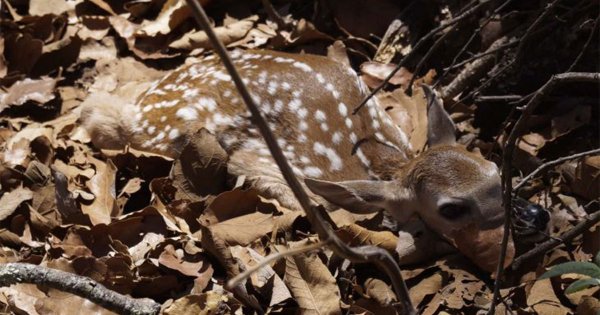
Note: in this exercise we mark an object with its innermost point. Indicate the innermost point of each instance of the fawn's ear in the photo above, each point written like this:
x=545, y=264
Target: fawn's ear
x=358, y=196
x=440, y=128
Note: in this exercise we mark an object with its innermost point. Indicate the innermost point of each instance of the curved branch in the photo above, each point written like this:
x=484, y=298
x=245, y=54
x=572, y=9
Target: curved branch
x=13, y=273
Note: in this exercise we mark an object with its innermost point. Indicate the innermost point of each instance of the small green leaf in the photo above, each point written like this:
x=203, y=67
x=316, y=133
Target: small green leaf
x=582, y=284
x=579, y=267
x=597, y=259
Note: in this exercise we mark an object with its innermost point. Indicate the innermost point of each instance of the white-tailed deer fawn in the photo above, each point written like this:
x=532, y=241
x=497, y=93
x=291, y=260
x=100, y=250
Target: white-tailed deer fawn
x=361, y=162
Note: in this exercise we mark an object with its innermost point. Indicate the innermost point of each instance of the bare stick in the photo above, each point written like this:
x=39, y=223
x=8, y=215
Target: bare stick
x=585, y=46
x=498, y=98
x=315, y=216
x=418, y=45
x=84, y=287
x=273, y=257
x=542, y=248
x=551, y=163
x=433, y=47
x=466, y=45
x=507, y=161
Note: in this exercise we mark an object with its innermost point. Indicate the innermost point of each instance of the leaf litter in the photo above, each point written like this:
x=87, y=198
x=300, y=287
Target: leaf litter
x=175, y=231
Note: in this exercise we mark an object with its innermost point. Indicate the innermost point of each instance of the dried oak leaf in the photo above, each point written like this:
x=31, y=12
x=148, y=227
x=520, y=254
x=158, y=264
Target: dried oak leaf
x=195, y=266
x=311, y=283
x=245, y=229
x=172, y=14
x=426, y=288
x=227, y=34
x=30, y=299
x=409, y=113
x=542, y=299
x=230, y=204
x=265, y=280
x=10, y=201
x=39, y=91
x=102, y=186
x=56, y=7
x=211, y=302
x=21, y=51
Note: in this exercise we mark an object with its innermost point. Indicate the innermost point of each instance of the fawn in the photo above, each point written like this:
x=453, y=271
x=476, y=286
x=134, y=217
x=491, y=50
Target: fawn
x=361, y=162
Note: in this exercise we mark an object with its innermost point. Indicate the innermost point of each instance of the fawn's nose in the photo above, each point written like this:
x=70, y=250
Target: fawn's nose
x=530, y=218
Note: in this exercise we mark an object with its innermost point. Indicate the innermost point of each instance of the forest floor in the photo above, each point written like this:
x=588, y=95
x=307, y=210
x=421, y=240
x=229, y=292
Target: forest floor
x=133, y=222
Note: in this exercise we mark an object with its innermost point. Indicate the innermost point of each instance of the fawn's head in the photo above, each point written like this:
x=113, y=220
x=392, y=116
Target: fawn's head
x=457, y=193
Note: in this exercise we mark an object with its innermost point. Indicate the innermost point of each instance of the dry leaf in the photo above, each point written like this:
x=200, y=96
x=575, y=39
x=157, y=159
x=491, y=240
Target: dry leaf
x=40, y=91
x=312, y=285
x=227, y=34
x=10, y=201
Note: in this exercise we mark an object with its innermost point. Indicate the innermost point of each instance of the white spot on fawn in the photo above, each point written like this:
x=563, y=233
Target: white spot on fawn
x=302, y=66
x=348, y=122
x=363, y=158
x=311, y=171
x=174, y=133
x=332, y=156
x=336, y=138
x=343, y=109
x=302, y=112
x=187, y=113
x=295, y=104
x=320, y=115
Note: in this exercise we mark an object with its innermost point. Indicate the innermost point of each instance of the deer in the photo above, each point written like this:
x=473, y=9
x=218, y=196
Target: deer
x=361, y=162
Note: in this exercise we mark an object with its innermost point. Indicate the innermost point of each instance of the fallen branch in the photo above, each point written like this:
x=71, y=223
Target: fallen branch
x=273, y=257
x=509, y=148
x=13, y=273
x=314, y=214
x=550, y=244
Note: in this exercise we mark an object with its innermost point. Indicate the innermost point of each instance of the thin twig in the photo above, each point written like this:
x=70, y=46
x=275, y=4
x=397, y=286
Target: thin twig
x=466, y=45
x=433, y=47
x=418, y=45
x=498, y=98
x=273, y=257
x=314, y=214
x=274, y=15
x=585, y=46
x=472, y=72
x=551, y=163
x=483, y=54
x=84, y=287
x=550, y=244
x=507, y=161
x=524, y=40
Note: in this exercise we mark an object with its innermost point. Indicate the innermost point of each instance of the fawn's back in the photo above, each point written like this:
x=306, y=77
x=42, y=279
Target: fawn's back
x=360, y=162
x=306, y=102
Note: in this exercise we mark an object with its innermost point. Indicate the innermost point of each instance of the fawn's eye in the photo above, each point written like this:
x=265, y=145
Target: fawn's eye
x=454, y=211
